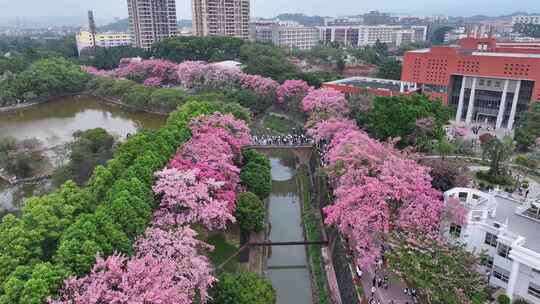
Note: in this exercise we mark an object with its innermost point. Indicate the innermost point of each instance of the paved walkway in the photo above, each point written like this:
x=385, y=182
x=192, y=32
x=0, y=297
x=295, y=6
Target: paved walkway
x=393, y=293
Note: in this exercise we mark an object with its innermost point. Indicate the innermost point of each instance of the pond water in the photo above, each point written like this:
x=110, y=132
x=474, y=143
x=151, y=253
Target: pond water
x=53, y=123
x=287, y=266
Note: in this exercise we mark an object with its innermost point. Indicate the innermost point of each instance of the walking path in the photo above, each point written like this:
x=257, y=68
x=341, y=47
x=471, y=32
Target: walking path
x=394, y=292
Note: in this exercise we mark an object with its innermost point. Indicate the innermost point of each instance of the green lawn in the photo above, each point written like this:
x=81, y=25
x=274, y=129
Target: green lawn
x=280, y=125
x=222, y=251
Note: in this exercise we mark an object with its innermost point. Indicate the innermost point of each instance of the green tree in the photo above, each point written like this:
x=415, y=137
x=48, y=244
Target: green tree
x=257, y=179
x=498, y=152
x=503, y=299
x=167, y=99
x=33, y=285
x=390, y=68
x=437, y=37
x=109, y=58
x=527, y=29
x=210, y=49
x=250, y=212
x=246, y=288
x=90, y=149
x=267, y=60
x=439, y=271
x=397, y=116
x=18, y=245
x=529, y=128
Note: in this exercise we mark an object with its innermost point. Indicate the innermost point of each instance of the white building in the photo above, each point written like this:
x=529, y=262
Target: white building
x=364, y=35
x=507, y=232
x=85, y=39
x=286, y=34
x=526, y=19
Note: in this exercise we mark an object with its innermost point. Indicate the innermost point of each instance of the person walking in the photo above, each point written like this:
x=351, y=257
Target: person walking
x=373, y=289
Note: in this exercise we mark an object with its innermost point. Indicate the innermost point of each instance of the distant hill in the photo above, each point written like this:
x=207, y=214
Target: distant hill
x=302, y=19
x=478, y=18
x=122, y=25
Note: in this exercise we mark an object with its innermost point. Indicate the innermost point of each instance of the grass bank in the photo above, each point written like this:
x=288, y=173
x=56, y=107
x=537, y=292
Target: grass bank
x=313, y=230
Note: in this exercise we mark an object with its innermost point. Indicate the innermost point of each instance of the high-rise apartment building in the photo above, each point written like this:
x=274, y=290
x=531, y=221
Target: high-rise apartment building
x=221, y=18
x=151, y=21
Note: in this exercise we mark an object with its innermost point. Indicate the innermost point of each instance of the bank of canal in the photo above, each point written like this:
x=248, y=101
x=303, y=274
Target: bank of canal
x=287, y=266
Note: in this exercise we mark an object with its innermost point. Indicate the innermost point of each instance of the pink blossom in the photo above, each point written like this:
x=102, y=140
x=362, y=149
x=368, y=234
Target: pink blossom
x=326, y=129
x=328, y=101
x=292, y=89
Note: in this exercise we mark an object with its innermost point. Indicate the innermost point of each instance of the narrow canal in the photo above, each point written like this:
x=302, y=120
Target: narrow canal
x=287, y=265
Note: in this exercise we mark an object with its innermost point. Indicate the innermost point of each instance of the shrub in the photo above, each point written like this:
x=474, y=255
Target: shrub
x=257, y=179
x=250, y=212
x=503, y=299
x=246, y=288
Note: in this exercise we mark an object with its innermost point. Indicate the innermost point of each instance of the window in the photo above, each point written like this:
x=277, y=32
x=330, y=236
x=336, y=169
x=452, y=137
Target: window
x=504, y=251
x=455, y=230
x=487, y=261
x=491, y=239
x=501, y=274
x=534, y=290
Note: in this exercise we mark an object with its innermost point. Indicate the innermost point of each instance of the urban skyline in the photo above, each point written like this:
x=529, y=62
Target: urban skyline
x=118, y=8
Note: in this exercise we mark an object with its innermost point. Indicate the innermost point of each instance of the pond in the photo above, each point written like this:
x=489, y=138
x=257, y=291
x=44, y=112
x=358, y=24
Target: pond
x=54, y=122
x=287, y=265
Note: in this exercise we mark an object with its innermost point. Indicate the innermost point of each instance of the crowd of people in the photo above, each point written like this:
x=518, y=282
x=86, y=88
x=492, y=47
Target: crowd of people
x=285, y=140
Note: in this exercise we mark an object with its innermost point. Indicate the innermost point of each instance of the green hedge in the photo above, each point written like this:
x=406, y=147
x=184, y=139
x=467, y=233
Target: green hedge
x=60, y=234
x=137, y=95
x=255, y=174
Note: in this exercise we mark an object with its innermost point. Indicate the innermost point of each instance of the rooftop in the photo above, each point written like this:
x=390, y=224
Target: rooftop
x=372, y=83
x=509, y=211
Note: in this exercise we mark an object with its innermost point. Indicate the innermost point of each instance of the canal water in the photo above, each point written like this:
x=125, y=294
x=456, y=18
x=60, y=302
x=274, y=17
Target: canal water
x=53, y=123
x=287, y=265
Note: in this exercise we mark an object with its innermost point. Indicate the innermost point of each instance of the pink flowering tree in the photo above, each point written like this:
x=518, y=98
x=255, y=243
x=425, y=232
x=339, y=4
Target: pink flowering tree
x=95, y=72
x=292, y=91
x=187, y=199
x=198, y=75
x=324, y=104
x=167, y=269
x=326, y=129
x=377, y=191
x=153, y=72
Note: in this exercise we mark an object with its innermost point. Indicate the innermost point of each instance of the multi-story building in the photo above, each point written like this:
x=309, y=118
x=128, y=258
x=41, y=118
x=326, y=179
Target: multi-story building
x=343, y=21
x=85, y=39
x=487, y=82
x=526, y=19
x=221, y=18
x=151, y=21
x=288, y=35
x=364, y=35
x=506, y=233
x=378, y=18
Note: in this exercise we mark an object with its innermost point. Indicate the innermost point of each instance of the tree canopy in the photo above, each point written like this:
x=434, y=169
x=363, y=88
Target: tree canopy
x=400, y=116
x=246, y=288
x=441, y=273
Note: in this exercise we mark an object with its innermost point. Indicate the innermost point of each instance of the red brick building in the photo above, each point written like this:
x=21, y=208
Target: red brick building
x=485, y=81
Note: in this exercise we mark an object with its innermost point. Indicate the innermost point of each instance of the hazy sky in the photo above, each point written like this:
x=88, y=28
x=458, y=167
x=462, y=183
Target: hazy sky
x=9, y=9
